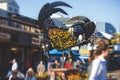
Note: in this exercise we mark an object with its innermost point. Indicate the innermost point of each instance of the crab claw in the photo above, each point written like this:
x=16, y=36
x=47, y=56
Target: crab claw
x=77, y=24
x=89, y=29
x=59, y=10
x=60, y=3
x=49, y=8
x=44, y=12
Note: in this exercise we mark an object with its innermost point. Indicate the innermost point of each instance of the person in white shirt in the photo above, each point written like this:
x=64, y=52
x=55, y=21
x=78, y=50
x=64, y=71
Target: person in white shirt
x=99, y=68
x=14, y=65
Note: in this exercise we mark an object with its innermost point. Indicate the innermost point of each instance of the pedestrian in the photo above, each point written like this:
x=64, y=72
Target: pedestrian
x=40, y=68
x=27, y=64
x=69, y=64
x=56, y=64
x=99, y=68
x=21, y=66
x=63, y=76
x=93, y=55
x=53, y=76
x=30, y=75
x=79, y=64
x=14, y=76
x=14, y=65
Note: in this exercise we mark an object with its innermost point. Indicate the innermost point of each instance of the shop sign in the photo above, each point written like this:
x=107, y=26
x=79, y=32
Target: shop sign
x=5, y=36
x=35, y=41
x=116, y=47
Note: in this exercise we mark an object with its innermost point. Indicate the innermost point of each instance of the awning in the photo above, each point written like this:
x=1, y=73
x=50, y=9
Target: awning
x=57, y=52
x=75, y=53
x=106, y=35
x=84, y=57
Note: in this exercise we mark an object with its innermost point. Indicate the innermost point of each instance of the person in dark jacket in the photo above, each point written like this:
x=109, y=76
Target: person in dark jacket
x=56, y=64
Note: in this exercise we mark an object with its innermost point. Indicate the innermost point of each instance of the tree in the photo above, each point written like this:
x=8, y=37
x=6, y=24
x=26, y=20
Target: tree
x=116, y=35
x=116, y=38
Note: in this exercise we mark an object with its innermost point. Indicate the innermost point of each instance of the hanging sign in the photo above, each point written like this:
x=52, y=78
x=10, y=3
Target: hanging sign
x=35, y=41
x=4, y=36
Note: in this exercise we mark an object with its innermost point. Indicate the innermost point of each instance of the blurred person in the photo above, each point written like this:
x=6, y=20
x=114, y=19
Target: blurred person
x=99, y=68
x=56, y=64
x=21, y=66
x=63, y=76
x=14, y=65
x=30, y=75
x=40, y=68
x=69, y=64
x=27, y=64
x=36, y=64
x=14, y=76
x=16, y=68
x=93, y=55
x=53, y=76
x=79, y=64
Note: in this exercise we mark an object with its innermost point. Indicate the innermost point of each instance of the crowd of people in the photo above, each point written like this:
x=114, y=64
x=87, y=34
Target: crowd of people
x=30, y=74
x=97, y=69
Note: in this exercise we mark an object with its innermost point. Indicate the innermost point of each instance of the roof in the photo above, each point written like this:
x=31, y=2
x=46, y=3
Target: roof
x=4, y=1
x=10, y=2
x=84, y=57
x=106, y=35
x=13, y=3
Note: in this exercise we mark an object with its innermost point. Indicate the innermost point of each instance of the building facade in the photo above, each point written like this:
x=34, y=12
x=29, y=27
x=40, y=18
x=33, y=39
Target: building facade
x=9, y=5
x=19, y=37
x=105, y=27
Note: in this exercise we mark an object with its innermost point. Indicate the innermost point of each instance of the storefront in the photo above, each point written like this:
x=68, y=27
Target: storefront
x=16, y=43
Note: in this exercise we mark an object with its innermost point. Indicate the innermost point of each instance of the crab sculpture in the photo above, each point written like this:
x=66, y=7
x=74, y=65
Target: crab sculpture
x=48, y=9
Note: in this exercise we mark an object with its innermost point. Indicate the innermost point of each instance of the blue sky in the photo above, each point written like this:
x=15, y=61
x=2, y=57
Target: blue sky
x=95, y=10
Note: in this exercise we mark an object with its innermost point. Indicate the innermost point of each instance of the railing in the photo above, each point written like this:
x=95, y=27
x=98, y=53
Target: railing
x=4, y=23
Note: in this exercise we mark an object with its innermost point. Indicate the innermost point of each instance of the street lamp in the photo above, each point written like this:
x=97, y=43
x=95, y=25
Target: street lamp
x=40, y=48
x=44, y=45
x=45, y=48
x=93, y=38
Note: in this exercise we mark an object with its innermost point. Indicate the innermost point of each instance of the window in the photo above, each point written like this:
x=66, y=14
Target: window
x=32, y=29
x=10, y=8
x=27, y=28
x=37, y=30
x=16, y=10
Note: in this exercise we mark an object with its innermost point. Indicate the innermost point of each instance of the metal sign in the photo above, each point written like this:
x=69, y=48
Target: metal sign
x=35, y=41
x=5, y=36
